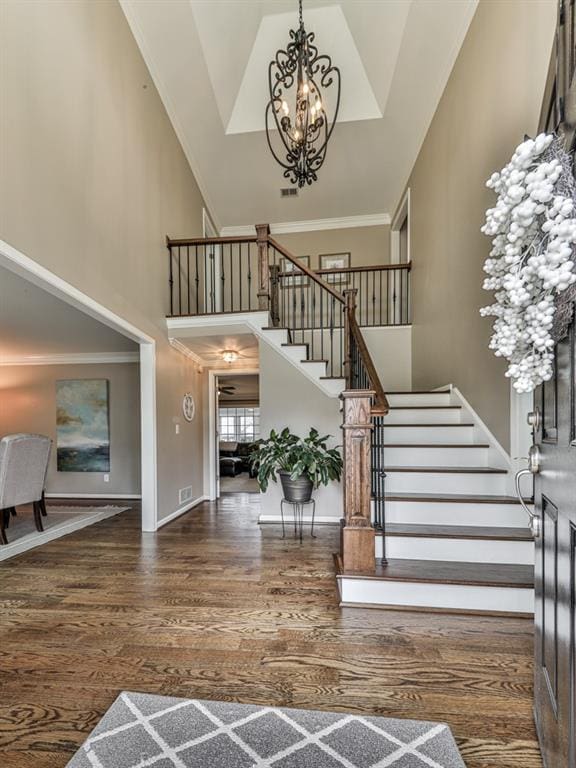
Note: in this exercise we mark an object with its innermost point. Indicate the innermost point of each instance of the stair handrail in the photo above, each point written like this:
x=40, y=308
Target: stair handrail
x=380, y=405
x=171, y=241
x=306, y=270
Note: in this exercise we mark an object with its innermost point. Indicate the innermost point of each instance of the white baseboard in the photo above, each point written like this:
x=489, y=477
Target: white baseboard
x=133, y=496
x=181, y=510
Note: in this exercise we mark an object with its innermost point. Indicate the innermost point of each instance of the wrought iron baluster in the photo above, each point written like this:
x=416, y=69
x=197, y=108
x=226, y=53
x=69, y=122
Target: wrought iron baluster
x=188, y=275
x=231, y=279
x=250, y=305
x=179, y=282
x=197, y=279
x=171, y=279
x=240, y=269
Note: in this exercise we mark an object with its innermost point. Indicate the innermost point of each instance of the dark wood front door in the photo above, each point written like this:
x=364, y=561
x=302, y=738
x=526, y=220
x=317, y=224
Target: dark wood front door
x=555, y=479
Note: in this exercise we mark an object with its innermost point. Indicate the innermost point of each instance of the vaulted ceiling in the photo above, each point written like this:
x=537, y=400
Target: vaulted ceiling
x=209, y=61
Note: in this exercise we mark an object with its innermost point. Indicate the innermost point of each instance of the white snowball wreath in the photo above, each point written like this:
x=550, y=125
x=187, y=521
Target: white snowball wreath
x=533, y=227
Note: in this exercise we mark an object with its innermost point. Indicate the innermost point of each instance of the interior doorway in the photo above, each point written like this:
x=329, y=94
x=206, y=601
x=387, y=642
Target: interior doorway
x=144, y=355
x=235, y=428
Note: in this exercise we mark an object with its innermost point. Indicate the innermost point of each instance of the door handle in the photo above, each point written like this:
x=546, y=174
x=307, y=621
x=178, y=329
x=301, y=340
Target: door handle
x=532, y=469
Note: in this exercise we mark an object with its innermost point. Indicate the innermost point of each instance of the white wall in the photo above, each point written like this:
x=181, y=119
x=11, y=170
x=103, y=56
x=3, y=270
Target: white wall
x=289, y=399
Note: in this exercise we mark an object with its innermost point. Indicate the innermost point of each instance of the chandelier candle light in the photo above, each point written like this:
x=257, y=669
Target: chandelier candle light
x=297, y=108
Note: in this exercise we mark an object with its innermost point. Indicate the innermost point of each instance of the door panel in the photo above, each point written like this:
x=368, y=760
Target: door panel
x=555, y=483
x=549, y=604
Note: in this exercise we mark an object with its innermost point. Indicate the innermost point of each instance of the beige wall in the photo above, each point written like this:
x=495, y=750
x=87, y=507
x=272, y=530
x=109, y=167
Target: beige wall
x=289, y=399
x=491, y=100
x=367, y=245
x=28, y=404
x=92, y=178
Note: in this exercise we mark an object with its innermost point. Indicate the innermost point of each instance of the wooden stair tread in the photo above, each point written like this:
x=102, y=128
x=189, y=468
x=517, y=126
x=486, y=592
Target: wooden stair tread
x=420, y=392
x=493, y=533
x=454, y=498
x=315, y=360
x=436, y=445
x=295, y=344
x=450, y=470
x=444, y=572
x=425, y=407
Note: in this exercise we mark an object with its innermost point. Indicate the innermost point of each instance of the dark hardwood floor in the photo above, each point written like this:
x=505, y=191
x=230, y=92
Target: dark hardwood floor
x=214, y=607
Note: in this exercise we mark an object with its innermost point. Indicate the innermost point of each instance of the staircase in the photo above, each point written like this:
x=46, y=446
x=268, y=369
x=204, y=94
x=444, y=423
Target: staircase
x=454, y=536
x=430, y=519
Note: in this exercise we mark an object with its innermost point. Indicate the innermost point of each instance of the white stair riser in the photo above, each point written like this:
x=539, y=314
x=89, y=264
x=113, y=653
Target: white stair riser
x=457, y=550
x=316, y=369
x=334, y=387
x=425, y=595
x=436, y=457
x=445, y=482
x=419, y=399
x=420, y=434
x=455, y=513
x=276, y=336
x=423, y=416
x=297, y=353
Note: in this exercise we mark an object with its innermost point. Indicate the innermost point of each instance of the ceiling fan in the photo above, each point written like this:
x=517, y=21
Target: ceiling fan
x=226, y=389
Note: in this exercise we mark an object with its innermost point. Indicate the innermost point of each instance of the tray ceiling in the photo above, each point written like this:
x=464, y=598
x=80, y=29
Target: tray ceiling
x=209, y=60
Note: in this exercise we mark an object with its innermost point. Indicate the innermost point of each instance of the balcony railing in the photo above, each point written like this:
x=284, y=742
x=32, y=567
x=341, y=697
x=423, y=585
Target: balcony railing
x=221, y=275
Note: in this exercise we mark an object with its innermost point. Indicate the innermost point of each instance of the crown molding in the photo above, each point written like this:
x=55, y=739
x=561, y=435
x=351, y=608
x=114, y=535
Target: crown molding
x=312, y=225
x=184, y=350
x=73, y=358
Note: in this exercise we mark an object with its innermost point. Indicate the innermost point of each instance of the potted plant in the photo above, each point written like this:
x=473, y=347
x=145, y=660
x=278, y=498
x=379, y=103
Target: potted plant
x=302, y=463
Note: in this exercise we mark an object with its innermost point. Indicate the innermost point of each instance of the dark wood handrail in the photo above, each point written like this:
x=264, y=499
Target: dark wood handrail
x=306, y=270
x=381, y=405
x=374, y=268
x=209, y=240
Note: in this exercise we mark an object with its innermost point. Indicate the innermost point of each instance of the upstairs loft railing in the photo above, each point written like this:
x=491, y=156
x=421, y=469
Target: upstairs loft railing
x=220, y=275
x=246, y=274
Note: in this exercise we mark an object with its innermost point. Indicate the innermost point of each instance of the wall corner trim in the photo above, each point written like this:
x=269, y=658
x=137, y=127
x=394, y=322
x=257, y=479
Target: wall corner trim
x=312, y=225
x=187, y=352
x=73, y=358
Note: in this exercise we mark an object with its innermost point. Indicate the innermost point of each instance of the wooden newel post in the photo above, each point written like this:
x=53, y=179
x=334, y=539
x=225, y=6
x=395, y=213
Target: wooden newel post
x=262, y=233
x=349, y=311
x=358, y=553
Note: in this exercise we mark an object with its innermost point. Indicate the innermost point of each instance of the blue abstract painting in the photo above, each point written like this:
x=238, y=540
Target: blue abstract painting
x=82, y=425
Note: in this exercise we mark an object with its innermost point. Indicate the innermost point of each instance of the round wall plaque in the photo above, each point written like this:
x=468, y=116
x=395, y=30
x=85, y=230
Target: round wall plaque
x=188, y=406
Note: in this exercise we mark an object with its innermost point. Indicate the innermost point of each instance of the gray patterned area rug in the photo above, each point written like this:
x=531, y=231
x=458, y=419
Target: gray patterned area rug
x=140, y=730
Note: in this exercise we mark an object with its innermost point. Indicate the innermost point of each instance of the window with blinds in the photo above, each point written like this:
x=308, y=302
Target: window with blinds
x=239, y=424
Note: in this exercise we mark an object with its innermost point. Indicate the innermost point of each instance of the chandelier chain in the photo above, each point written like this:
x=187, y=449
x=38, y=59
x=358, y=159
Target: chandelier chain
x=299, y=77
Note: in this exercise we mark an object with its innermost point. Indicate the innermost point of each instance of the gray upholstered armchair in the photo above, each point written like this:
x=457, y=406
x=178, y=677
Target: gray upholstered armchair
x=23, y=465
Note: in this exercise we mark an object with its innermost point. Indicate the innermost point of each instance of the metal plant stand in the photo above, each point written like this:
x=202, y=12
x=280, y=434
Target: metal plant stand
x=298, y=510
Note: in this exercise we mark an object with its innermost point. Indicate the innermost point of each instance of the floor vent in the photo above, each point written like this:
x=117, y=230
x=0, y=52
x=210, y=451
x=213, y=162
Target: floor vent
x=185, y=494
x=289, y=192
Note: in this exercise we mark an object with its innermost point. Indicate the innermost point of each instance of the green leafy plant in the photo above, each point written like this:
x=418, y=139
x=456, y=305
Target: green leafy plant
x=286, y=452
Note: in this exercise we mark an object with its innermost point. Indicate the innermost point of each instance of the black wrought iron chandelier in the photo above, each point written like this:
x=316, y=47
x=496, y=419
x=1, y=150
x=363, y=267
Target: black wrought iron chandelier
x=298, y=76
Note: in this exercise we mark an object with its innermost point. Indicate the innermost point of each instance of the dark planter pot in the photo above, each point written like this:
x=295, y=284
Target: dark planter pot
x=298, y=491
